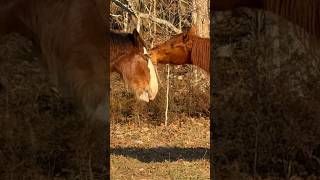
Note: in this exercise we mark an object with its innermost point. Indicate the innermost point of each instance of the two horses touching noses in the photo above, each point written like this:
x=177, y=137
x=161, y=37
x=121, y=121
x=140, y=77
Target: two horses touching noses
x=71, y=38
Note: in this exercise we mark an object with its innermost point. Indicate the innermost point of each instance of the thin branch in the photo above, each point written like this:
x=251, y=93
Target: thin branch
x=125, y=7
x=139, y=15
x=167, y=96
x=159, y=21
x=115, y=15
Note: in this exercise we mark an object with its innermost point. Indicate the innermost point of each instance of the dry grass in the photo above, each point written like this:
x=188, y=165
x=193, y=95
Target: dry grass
x=42, y=136
x=268, y=99
x=146, y=151
x=142, y=148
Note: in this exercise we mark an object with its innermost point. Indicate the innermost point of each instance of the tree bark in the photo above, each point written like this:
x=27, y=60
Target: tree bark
x=200, y=17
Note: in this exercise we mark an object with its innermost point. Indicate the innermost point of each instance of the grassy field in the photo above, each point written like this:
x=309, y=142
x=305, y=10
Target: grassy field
x=148, y=151
x=143, y=148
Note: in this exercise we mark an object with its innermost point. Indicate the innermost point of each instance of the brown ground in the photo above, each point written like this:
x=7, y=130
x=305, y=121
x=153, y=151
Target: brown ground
x=42, y=136
x=143, y=148
x=145, y=151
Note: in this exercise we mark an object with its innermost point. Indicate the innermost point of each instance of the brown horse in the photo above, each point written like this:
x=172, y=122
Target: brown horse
x=303, y=13
x=129, y=58
x=71, y=37
x=184, y=48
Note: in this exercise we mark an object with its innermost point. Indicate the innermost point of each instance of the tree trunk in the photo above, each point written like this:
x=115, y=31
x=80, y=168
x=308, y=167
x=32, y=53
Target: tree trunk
x=200, y=17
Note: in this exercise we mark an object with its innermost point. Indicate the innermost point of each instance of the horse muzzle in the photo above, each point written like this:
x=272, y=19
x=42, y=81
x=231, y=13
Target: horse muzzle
x=144, y=96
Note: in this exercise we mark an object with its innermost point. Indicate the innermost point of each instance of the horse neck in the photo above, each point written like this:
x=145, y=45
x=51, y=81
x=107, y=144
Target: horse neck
x=30, y=18
x=9, y=17
x=200, y=54
x=302, y=13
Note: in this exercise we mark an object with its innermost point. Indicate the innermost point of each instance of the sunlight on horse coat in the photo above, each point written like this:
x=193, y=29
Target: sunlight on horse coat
x=184, y=48
x=128, y=56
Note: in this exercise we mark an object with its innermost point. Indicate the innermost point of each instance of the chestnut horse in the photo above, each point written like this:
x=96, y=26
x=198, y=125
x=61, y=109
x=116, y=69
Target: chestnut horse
x=129, y=57
x=184, y=48
x=71, y=38
x=303, y=13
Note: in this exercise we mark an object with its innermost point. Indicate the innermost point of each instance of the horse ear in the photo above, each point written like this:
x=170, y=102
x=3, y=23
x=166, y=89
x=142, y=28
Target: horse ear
x=137, y=39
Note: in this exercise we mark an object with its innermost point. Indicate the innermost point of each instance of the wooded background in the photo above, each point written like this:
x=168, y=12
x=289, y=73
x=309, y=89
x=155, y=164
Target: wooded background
x=156, y=22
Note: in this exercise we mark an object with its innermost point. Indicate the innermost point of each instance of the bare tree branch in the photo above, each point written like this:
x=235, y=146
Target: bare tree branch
x=160, y=21
x=139, y=15
x=125, y=7
x=115, y=15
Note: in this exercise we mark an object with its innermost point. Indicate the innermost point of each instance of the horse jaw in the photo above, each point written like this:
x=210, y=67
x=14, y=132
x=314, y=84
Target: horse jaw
x=153, y=84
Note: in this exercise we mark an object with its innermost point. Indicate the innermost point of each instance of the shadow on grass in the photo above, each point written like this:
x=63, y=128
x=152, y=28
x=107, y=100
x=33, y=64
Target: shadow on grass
x=161, y=154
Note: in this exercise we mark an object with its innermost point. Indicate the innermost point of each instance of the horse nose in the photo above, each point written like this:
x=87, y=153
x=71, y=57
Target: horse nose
x=144, y=96
x=151, y=95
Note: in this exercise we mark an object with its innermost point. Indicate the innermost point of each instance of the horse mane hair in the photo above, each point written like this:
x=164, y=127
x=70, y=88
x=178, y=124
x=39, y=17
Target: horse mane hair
x=200, y=54
x=121, y=44
x=304, y=13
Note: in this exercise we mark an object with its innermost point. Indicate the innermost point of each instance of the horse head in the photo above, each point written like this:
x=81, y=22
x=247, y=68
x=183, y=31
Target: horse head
x=137, y=70
x=176, y=50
